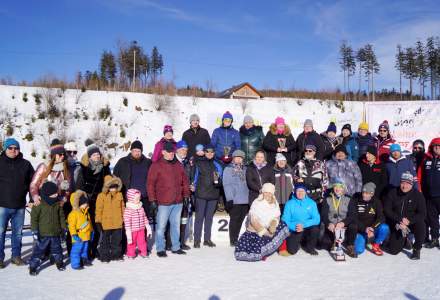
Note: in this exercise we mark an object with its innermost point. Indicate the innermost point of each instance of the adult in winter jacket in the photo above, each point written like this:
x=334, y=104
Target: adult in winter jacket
x=207, y=184
x=431, y=189
x=264, y=231
x=167, y=138
x=225, y=139
x=350, y=143
x=279, y=139
x=309, y=137
x=371, y=224
x=384, y=140
x=236, y=193
x=339, y=212
x=418, y=155
x=80, y=229
x=342, y=168
x=251, y=137
x=364, y=139
x=109, y=218
x=72, y=161
x=313, y=174
x=15, y=176
x=258, y=173
x=284, y=182
x=168, y=188
x=302, y=217
x=195, y=135
x=374, y=171
x=405, y=210
x=48, y=225
x=397, y=165
x=330, y=140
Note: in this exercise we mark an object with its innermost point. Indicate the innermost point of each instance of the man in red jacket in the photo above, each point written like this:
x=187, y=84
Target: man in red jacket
x=168, y=188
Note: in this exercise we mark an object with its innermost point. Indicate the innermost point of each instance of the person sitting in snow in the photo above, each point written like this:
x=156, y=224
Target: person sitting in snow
x=264, y=231
x=80, y=229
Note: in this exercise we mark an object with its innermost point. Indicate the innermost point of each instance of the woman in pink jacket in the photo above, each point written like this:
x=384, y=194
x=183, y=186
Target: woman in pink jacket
x=167, y=137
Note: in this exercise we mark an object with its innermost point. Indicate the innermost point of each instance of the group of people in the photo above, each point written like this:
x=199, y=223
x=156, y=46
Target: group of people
x=312, y=192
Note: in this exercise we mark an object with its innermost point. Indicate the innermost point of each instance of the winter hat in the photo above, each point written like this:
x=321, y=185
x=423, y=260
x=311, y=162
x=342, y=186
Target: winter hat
x=137, y=145
x=227, y=115
x=280, y=157
x=199, y=147
x=280, y=121
x=88, y=142
x=369, y=187
x=167, y=128
x=238, y=153
x=131, y=194
x=194, y=117
x=395, y=147
x=209, y=147
x=181, y=144
x=56, y=147
x=331, y=127
x=83, y=200
x=168, y=147
x=308, y=122
x=92, y=149
x=310, y=147
x=372, y=150
x=338, y=181
x=48, y=188
x=300, y=186
x=384, y=125
x=248, y=119
x=10, y=142
x=70, y=146
x=407, y=177
x=364, y=126
x=341, y=148
x=419, y=142
x=268, y=188
x=348, y=127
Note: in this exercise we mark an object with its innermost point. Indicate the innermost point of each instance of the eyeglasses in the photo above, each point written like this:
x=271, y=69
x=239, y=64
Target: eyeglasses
x=72, y=152
x=13, y=149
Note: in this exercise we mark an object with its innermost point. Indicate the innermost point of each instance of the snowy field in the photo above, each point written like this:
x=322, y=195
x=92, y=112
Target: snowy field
x=214, y=274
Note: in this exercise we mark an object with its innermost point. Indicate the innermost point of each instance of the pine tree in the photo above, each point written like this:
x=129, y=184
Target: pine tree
x=421, y=67
x=156, y=64
x=410, y=68
x=371, y=67
x=361, y=58
x=400, y=60
x=107, y=69
x=432, y=64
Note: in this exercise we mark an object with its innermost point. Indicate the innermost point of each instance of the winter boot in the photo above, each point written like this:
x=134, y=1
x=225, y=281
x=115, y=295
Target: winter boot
x=162, y=254
x=86, y=262
x=416, y=254
x=60, y=266
x=196, y=244
x=185, y=247
x=180, y=251
x=282, y=250
x=432, y=244
x=375, y=248
x=33, y=271
x=209, y=243
x=351, y=251
x=17, y=261
x=2, y=264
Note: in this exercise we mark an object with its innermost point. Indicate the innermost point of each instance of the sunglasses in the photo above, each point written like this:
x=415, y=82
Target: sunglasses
x=13, y=149
x=72, y=152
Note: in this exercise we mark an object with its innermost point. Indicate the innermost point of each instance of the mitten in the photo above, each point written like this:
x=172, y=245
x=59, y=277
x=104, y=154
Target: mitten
x=76, y=238
x=129, y=237
x=149, y=232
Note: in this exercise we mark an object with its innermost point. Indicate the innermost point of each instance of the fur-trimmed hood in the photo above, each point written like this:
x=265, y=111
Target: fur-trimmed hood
x=85, y=160
x=430, y=152
x=273, y=129
x=110, y=180
x=74, y=199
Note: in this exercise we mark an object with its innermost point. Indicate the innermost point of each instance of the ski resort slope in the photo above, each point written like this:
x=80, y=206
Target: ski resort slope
x=214, y=274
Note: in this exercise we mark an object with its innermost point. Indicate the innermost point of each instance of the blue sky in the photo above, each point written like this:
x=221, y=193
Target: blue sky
x=268, y=43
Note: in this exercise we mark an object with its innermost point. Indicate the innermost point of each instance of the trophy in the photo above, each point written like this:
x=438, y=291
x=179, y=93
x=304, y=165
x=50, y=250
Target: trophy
x=282, y=143
x=216, y=177
x=226, y=151
x=339, y=238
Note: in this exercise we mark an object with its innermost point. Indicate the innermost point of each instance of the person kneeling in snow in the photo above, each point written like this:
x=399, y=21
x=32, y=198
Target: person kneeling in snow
x=371, y=220
x=339, y=213
x=264, y=232
x=135, y=222
x=81, y=230
x=302, y=217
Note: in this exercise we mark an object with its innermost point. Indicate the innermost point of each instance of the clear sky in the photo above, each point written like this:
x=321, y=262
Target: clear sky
x=268, y=43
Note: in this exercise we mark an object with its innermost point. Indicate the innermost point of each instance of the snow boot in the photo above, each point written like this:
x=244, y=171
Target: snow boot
x=162, y=254
x=415, y=255
x=282, y=250
x=196, y=244
x=351, y=252
x=33, y=271
x=2, y=264
x=86, y=262
x=60, y=266
x=17, y=261
x=185, y=247
x=209, y=243
x=432, y=244
x=180, y=252
x=375, y=248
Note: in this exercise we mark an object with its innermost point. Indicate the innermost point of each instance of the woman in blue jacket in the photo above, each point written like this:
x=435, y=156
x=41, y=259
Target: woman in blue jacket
x=225, y=139
x=302, y=218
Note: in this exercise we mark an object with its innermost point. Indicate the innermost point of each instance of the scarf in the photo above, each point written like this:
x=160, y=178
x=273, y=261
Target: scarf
x=58, y=167
x=132, y=205
x=260, y=166
x=238, y=170
x=96, y=166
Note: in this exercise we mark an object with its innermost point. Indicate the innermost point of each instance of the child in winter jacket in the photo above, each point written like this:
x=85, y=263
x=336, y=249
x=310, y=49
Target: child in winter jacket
x=48, y=225
x=136, y=222
x=81, y=230
x=109, y=217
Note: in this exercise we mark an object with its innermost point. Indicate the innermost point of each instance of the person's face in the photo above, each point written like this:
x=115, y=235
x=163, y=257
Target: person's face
x=95, y=157
x=370, y=157
x=396, y=154
x=405, y=186
x=12, y=152
x=346, y=132
x=436, y=149
x=136, y=153
x=417, y=148
x=182, y=152
x=227, y=122
x=309, y=154
x=71, y=154
x=331, y=134
x=367, y=196
x=338, y=190
x=137, y=199
x=259, y=158
x=340, y=155
x=300, y=194
x=200, y=153
x=195, y=124
x=168, y=155
x=308, y=128
x=209, y=154
x=383, y=132
x=362, y=132
x=248, y=124
x=281, y=127
x=267, y=195
x=59, y=158
x=168, y=135
x=238, y=160
x=282, y=164
x=84, y=206
x=113, y=189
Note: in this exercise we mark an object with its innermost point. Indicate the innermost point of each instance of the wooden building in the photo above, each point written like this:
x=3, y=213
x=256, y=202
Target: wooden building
x=241, y=91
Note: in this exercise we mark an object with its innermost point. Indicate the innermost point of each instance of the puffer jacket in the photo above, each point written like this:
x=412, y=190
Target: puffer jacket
x=310, y=138
x=60, y=178
x=157, y=152
x=225, y=137
x=431, y=172
x=79, y=220
x=314, y=175
x=411, y=205
x=251, y=141
x=283, y=183
x=364, y=142
x=205, y=172
x=303, y=212
x=110, y=205
x=329, y=145
x=255, y=178
x=352, y=147
x=86, y=180
x=234, y=184
x=271, y=145
x=348, y=171
x=383, y=150
x=48, y=219
x=395, y=169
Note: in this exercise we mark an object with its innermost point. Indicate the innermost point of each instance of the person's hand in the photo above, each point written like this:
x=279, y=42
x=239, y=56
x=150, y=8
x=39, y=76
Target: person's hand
x=64, y=185
x=149, y=231
x=405, y=221
x=284, y=150
x=273, y=226
x=37, y=201
x=76, y=238
x=402, y=226
x=153, y=209
x=300, y=180
x=331, y=227
x=192, y=188
x=129, y=237
x=299, y=228
x=370, y=232
x=340, y=225
x=279, y=149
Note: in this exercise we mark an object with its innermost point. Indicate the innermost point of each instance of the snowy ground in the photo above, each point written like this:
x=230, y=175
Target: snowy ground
x=214, y=274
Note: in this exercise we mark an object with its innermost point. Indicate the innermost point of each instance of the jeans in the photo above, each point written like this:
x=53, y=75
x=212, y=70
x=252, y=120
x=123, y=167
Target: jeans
x=381, y=233
x=16, y=216
x=167, y=213
x=47, y=242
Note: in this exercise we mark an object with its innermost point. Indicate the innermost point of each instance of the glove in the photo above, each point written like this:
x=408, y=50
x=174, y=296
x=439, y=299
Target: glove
x=273, y=226
x=153, y=209
x=129, y=237
x=35, y=236
x=228, y=205
x=149, y=231
x=76, y=238
x=99, y=227
x=64, y=185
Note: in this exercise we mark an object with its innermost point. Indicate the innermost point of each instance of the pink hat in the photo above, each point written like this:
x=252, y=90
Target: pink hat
x=167, y=128
x=280, y=121
x=131, y=194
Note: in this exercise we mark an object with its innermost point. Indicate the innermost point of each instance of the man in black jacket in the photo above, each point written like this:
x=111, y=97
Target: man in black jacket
x=195, y=135
x=309, y=137
x=374, y=171
x=15, y=177
x=405, y=210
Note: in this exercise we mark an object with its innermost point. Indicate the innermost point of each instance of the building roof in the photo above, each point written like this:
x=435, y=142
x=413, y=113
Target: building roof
x=227, y=93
